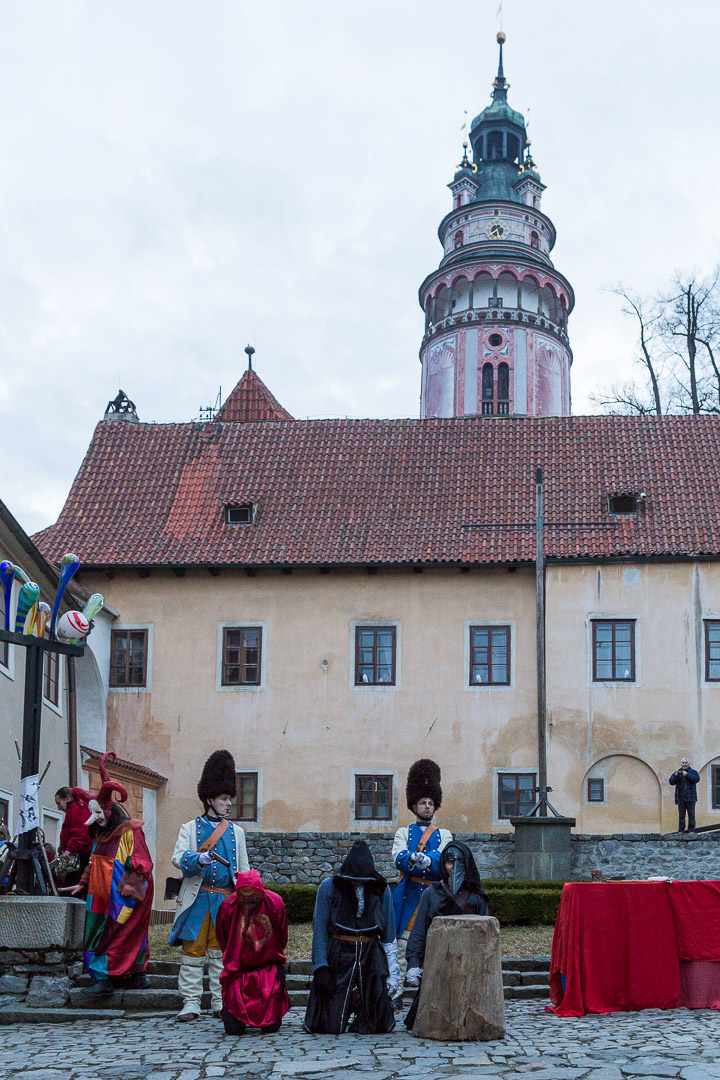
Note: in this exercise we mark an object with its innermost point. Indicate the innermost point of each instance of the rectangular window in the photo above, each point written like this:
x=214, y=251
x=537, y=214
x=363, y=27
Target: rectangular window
x=51, y=678
x=613, y=650
x=5, y=813
x=373, y=798
x=712, y=650
x=716, y=787
x=128, y=657
x=242, y=648
x=375, y=656
x=489, y=655
x=245, y=806
x=239, y=515
x=4, y=654
x=596, y=790
x=516, y=794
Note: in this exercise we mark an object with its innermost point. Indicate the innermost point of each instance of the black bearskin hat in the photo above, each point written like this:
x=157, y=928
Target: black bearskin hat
x=218, y=776
x=423, y=782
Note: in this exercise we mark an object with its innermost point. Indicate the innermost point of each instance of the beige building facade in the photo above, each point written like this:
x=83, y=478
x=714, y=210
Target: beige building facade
x=307, y=730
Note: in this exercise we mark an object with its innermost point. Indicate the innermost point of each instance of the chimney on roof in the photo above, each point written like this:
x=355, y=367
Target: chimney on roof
x=122, y=408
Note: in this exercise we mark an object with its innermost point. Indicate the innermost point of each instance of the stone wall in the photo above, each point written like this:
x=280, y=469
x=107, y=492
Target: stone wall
x=310, y=857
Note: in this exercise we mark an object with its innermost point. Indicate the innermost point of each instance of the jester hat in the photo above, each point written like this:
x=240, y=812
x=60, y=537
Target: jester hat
x=104, y=797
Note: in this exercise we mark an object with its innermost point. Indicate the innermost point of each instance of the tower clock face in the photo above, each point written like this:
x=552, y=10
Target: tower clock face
x=496, y=229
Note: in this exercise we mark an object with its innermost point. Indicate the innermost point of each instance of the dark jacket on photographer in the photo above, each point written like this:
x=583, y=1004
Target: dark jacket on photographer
x=685, y=784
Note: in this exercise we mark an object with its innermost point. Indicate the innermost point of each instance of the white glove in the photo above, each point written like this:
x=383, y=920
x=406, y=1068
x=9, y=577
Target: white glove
x=421, y=860
x=204, y=858
x=413, y=976
x=393, y=981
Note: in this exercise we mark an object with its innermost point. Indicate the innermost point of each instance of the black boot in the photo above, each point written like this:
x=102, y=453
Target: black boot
x=137, y=982
x=100, y=988
x=233, y=1026
x=271, y=1028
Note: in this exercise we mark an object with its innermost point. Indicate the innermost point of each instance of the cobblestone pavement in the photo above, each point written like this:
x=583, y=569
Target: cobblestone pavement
x=538, y=1046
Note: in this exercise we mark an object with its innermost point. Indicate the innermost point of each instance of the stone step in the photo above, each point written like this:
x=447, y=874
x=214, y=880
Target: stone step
x=164, y=967
x=152, y=1000
x=300, y=967
x=536, y=963
x=17, y=1014
x=525, y=993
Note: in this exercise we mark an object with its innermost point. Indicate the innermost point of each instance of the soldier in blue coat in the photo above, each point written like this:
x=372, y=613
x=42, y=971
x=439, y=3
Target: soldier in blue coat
x=685, y=781
x=416, y=850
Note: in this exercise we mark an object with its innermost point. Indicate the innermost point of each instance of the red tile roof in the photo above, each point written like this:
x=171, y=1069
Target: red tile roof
x=361, y=492
x=251, y=400
x=121, y=763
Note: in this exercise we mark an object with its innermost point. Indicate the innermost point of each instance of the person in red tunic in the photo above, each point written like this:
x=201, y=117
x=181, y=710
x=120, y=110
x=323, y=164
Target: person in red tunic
x=119, y=886
x=252, y=930
x=75, y=841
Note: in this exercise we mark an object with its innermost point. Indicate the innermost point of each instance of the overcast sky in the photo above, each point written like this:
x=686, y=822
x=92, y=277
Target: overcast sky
x=180, y=177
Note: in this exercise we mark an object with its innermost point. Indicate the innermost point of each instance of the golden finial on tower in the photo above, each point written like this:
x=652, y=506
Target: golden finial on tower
x=500, y=38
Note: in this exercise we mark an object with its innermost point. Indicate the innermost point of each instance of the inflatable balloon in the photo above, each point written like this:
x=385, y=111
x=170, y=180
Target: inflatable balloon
x=28, y=595
x=72, y=625
x=68, y=566
x=7, y=576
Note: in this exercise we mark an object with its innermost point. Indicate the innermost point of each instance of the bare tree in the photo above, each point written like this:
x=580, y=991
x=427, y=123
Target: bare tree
x=689, y=316
x=628, y=397
x=678, y=348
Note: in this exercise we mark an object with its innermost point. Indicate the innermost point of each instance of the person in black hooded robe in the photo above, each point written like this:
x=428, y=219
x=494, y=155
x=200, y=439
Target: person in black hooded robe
x=459, y=892
x=354, y=951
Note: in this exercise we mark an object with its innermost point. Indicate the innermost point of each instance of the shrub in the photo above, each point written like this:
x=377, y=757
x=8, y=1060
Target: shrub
x=299, y=900
x=526, y=906
x=519, y=883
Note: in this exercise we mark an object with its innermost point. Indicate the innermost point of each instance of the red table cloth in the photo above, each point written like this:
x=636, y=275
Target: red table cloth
x=636, y=945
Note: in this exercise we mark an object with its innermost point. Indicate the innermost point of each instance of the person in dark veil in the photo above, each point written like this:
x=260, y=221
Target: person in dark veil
x=459, y=892
x=354, y=951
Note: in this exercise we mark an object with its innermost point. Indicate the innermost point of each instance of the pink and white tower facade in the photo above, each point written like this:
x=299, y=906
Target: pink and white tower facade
x=496, y=310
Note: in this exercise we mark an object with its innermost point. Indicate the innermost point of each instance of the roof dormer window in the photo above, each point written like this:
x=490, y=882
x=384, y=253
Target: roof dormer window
x=242, y=514
x=623, y=504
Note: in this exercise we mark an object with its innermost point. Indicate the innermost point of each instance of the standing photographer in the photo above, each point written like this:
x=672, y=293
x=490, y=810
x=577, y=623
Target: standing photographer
x=685, y=783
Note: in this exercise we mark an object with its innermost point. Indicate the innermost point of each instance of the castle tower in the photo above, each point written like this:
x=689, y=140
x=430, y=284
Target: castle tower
x=496, y=309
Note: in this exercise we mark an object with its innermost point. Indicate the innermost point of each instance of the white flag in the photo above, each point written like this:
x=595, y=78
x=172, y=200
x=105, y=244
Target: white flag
x=28, y=817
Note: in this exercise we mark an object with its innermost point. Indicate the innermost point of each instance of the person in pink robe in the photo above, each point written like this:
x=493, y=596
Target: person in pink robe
x=252, y=930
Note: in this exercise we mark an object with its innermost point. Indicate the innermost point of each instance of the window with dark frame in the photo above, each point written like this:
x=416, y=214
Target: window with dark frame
x=613, y=650
x=242, y=655
x=375, y=648
x=5, y=813
x=516, y=794
x=489, y=656
x=716, y=787
x=245, y=804
x=51, y=678
x=622, y=504
x=4, y=654
x=239, y=515
x=128, y=658
x=596, y=789
x=712, y=650
x=373, y=798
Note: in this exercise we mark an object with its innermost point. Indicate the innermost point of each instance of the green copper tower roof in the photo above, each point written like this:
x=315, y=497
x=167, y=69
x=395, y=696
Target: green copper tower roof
x=498, y=138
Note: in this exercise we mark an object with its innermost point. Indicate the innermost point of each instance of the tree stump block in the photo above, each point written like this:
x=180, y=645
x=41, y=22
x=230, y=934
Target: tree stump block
x=461, y=997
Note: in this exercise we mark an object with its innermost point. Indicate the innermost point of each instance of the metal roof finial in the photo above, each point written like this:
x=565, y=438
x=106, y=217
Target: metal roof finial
x=249, y=351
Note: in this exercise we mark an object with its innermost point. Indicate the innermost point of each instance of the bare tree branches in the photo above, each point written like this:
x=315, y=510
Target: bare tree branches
x=678, y=348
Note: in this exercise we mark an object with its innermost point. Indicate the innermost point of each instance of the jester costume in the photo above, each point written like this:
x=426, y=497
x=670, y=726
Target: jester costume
x=119, y=885
x=252, y=930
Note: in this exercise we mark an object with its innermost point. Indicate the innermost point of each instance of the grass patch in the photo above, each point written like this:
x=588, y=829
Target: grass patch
x=515, y=941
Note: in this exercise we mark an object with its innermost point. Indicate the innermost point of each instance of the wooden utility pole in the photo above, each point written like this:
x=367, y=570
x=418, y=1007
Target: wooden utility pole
x=540, y=641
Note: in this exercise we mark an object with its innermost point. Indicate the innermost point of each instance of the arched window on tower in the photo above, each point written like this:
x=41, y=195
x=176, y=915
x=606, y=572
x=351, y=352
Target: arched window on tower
x=495, y=145
x=487, y=389
x=458, y=241
x=513, y=148
x=457, y=202
x=503, y=390
x=534, y=240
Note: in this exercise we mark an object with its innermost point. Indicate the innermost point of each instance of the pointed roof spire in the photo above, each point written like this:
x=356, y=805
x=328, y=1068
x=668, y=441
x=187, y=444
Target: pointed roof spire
x=251, y=399
x=500, y=86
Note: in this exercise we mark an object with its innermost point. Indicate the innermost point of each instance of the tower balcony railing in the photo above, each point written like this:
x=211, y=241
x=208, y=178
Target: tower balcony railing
x=496, y=315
